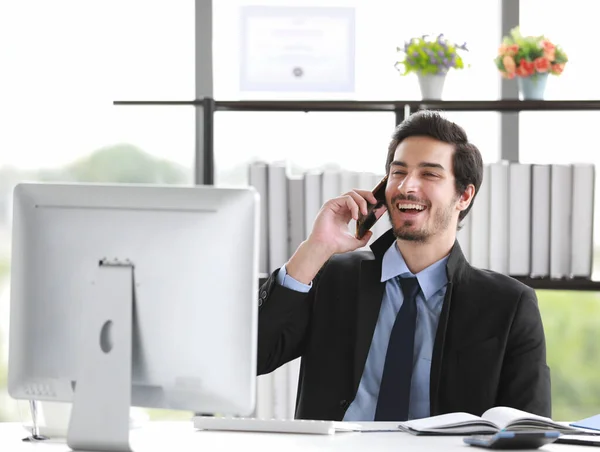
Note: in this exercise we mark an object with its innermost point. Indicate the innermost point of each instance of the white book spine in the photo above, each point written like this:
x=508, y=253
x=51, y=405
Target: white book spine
x=258, y=178
x=582, y=226
x=278, y=255
x=540, y=221
x=499, y=217
x=296, y=212
x=365, y=180
x=561, y=183
x=480, y=223
x=519, y=217
x=264, y=397
x=330, y=186
x=312, y=199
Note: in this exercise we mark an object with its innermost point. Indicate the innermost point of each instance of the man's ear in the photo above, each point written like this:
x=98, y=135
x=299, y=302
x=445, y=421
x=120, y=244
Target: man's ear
x=465, y=199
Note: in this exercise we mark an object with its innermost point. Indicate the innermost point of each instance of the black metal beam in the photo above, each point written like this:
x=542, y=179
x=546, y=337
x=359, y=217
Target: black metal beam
x=208, y=107
x=383, y=106
x=561, y=284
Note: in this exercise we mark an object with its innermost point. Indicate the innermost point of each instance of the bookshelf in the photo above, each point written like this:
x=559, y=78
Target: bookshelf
x=401, y=109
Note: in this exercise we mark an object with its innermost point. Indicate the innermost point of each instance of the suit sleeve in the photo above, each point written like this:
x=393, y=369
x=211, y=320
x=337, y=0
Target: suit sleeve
x=525, y=378
x=283, y=323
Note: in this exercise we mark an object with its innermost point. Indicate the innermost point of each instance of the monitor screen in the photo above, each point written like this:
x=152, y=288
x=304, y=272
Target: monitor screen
x=193, y=254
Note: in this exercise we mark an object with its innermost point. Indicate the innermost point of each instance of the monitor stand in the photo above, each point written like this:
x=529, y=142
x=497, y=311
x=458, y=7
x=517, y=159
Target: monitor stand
x=100, y=413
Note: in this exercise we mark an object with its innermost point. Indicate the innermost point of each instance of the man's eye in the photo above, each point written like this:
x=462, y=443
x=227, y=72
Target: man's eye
x=431, y=175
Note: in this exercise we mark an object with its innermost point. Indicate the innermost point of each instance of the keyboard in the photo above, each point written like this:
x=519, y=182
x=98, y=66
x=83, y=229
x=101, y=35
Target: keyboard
x=273, y=425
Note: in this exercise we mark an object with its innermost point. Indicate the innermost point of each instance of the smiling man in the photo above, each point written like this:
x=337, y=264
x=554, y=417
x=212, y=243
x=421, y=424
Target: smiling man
x=409, y=329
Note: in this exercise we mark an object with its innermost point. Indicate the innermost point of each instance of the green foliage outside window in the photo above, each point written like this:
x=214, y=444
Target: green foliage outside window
x=572, y=327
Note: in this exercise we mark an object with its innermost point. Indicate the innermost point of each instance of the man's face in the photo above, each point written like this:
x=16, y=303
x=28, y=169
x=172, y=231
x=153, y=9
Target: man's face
x=420, y=193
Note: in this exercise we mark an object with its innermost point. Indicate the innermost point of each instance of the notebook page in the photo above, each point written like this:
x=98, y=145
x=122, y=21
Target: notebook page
x=502, y=416
x=442, y=421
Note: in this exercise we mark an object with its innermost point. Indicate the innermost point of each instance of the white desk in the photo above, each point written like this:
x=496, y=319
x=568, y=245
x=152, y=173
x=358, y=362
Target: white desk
x=181, y=437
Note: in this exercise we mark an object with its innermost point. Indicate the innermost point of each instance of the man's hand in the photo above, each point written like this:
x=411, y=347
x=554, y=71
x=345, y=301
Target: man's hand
x=330, y=234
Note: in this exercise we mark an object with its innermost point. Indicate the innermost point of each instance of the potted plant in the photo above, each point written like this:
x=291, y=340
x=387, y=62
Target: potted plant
x=430, y=58
x=530, y=59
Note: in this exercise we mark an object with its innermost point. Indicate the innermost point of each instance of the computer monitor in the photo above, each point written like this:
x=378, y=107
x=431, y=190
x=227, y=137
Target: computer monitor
x=136, y=295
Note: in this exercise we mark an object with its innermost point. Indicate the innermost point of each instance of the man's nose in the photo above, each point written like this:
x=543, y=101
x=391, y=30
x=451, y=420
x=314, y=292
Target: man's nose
x=409, y=184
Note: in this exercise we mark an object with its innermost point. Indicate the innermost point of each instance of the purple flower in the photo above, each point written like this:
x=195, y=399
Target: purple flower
x=415, y=54
x=463, y=46
x=440, y=53
x=406, y=44
x=432, y=60
x=428, y=52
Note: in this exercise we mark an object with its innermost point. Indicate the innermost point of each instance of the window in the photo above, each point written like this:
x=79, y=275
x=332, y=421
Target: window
x=354, y=141
x=571, y=319
x=59, y=78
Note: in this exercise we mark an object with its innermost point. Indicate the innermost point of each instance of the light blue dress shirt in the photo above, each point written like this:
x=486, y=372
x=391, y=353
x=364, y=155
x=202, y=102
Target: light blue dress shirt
x=433, y=281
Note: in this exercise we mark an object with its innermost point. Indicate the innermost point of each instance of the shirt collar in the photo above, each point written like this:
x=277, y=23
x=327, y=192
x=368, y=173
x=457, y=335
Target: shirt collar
x=431, y=279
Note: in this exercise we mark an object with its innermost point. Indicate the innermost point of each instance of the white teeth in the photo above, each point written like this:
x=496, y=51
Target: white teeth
x=410, y=206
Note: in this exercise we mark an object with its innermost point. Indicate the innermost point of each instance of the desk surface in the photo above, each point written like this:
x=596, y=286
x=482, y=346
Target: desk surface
x=182, y=437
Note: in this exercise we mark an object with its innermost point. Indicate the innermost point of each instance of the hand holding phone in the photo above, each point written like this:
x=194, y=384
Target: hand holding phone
x=375, y=211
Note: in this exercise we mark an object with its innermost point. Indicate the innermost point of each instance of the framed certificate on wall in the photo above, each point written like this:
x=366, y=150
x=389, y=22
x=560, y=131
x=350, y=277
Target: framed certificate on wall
x=297, y=49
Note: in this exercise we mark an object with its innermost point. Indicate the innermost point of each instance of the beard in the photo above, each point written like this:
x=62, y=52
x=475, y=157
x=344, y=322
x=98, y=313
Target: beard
x=403, y=230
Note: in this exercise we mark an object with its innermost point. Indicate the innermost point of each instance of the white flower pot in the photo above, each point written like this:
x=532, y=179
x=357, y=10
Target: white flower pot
x=432, y=86
x=532, y=88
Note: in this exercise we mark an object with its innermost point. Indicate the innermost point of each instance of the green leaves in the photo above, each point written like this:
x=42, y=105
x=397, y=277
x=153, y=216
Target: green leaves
x=429, y=55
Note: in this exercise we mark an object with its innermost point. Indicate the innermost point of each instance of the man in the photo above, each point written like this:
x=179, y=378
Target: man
x=409, y=329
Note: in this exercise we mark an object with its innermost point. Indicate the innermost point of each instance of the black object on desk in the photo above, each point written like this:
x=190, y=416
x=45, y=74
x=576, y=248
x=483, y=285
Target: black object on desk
x=513, y=440
x=581, y=440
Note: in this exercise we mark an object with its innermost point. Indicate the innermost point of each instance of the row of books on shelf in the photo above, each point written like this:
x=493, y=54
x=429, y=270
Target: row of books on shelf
x=527, y=220
x=532, y=220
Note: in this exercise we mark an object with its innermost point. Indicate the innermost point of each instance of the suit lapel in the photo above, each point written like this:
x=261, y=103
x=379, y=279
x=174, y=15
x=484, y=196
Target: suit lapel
x=438, y=349
x=456, y=270
x=370, y=294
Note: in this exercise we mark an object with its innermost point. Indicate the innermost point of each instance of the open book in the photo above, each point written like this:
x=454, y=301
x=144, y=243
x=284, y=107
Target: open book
x=490, y=422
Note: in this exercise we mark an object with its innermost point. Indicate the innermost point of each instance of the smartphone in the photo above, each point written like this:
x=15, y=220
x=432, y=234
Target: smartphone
x=374, y=211
x=513, y=440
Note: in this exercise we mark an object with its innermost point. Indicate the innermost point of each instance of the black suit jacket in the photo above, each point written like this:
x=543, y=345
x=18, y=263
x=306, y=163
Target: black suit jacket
x=489, y=348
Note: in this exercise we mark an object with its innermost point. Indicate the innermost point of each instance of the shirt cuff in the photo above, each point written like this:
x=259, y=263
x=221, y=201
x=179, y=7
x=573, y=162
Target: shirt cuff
x=285, y=280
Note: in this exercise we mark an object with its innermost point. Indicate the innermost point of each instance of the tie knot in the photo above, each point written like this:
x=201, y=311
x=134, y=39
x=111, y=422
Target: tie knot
x=410, y=287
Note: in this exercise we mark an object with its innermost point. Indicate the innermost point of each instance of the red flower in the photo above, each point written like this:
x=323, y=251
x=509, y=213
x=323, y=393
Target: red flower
x=541, y=64
x=549, y=50
x=557, y=68
x=509, y=64
x=525, y=69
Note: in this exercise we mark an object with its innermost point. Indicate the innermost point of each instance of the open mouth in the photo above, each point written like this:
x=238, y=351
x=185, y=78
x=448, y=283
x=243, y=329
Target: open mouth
x=410, y=209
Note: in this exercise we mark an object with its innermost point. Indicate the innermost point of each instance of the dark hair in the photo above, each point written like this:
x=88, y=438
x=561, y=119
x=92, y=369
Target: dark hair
x=467, y=161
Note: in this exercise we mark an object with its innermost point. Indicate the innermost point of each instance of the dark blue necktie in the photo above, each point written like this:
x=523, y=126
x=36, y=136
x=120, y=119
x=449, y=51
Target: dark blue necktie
x=394, y=392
